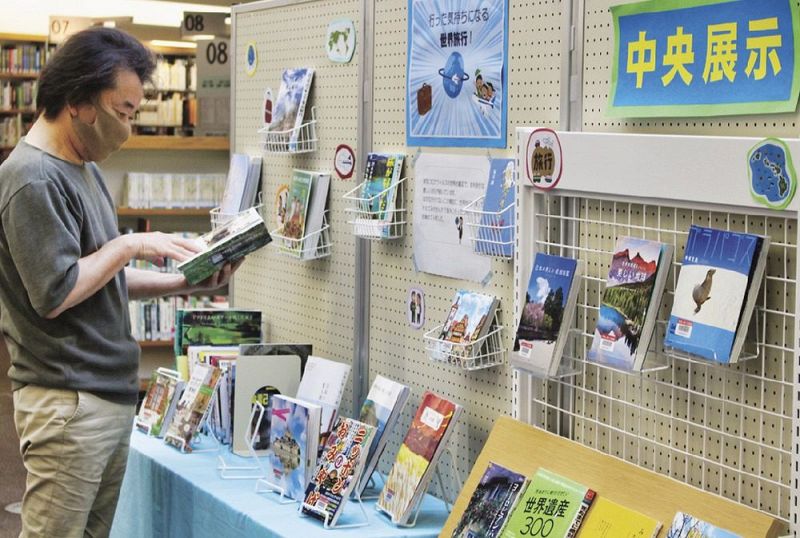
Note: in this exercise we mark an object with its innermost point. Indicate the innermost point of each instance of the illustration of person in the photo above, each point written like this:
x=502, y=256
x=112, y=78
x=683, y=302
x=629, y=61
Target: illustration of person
x=418, y=308
x=478, y=83
x=412, y=305
x=488, y=91
x=460, y=226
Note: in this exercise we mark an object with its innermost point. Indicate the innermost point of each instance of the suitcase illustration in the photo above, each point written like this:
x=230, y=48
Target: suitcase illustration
x=424, y=99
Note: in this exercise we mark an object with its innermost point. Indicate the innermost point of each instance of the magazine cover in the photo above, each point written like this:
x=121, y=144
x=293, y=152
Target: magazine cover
x=415, y=457
x=297, y=206
x=546, y=299
x=711, y=290
x=470, y=318
x=608, y=519
x=496, y=231
x=192, y=407
x=630, y=284
x=687, y=526
x=153, y=411
x=291, y=102
x=550, y=489
x=380, y=410
x=216, y=327
x=339, y=469
x=491, y=503
x=293, y=440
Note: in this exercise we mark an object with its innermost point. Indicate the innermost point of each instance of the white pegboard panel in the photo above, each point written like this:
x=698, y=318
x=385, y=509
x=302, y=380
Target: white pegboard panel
x=396, y=350
x=725, y=429
x=598, y=43
x=303, y=301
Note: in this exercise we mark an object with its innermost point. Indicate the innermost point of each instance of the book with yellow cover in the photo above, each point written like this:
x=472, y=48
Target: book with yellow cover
x=608, y=519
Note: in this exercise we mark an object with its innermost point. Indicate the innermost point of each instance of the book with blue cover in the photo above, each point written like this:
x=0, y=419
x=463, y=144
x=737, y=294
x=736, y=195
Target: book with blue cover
x=546, y=315
x=491, y=503
x=688, y=526
x=294, y=440
x=715, y=293
x=378, y=196
x=630, y=303
x=496, y=230
x=290, y=104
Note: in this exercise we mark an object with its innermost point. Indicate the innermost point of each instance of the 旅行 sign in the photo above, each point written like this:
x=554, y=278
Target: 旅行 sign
x=704, y=58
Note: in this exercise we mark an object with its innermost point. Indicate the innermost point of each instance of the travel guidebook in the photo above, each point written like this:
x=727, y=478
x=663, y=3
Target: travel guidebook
x=323, y=383
x=496, y=232
x=192, y=407
x=263, y=370
x=629, y=307
x=294, y=227
x=233, y=240
x=377, y=200
x=417, y=458
x=608, y=519
x=549, y=489
x=338, y=471
x=294, y=444
x=216, y=327
x=687, y=526
x=290, y=104
x=381, y=410
x=470, y=318
x=547, y=314
x=491, y=503
x=716, y=292
x=317, y=203
x=159, y=403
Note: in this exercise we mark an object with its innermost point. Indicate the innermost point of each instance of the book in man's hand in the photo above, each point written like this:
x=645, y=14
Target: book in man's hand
x=238, y=237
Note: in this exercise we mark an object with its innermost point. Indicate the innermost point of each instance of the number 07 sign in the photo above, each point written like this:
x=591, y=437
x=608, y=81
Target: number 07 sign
x=704, y=58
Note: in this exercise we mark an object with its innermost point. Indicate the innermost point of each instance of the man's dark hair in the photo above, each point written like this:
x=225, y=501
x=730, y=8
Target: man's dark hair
x=88, y=63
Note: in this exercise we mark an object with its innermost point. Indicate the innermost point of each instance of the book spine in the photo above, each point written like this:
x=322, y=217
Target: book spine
x=587, y=501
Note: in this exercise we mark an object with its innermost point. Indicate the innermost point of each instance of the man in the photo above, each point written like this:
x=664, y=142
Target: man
x=64, y=286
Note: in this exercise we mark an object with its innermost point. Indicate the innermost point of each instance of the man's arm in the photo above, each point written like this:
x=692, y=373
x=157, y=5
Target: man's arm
x=98, y=268
x=144, y=284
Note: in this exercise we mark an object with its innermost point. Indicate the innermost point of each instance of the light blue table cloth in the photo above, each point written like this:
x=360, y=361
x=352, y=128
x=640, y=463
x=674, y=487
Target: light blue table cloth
x=173, y=495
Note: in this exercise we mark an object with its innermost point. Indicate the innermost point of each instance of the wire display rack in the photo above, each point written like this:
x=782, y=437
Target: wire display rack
x=485, y=352
x=311, y=246
x=380, y=216
x=300, y=139
x=491, y=232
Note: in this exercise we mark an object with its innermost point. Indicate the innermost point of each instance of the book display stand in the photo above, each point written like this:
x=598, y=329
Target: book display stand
x=364, y=520
x=484, y=352
x=218, y=218
x=302, y=139
x=449, y=503
x=743, y=356
x=311, y=246
x=228, y=471
x=202, y=429
x=491, y=233
x=371, y=223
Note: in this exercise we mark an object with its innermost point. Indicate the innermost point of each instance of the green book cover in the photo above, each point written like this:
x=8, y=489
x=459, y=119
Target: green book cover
x=551, y=506
x=294, y=227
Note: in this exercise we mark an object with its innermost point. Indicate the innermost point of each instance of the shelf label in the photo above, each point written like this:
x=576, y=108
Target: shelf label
x=196, y=23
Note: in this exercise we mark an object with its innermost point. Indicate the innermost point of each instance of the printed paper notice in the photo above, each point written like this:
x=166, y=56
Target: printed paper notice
x=443, y=186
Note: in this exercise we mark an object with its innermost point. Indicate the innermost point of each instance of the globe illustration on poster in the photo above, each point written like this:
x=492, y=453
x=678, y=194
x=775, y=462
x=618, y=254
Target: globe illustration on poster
x=453, y=75
x=340, y=42
x=773, y=179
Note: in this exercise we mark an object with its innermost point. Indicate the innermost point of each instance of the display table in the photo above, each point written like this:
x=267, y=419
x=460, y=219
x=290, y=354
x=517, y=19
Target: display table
x=169, y=494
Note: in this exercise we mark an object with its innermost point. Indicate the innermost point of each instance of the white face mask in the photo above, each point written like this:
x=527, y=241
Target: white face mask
x=103, y=137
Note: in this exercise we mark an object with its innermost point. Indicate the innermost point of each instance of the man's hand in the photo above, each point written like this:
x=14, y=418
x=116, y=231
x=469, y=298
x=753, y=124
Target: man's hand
x=218, y=279
x=156, y=246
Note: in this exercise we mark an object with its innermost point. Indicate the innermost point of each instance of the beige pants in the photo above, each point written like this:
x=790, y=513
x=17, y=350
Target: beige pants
x=74, y=446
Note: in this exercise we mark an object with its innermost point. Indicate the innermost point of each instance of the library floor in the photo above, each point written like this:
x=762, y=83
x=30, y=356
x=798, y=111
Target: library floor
x=12, y=473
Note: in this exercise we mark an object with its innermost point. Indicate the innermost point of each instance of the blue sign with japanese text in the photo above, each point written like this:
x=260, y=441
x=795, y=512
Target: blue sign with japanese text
x=457, y=82
x=704, y=58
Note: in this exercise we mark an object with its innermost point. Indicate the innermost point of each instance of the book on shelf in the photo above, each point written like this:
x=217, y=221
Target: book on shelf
x=469, y=320
x=201, y=354
x=381, y=410
x=233, y=240
x=496, y=231
x=317, y=203
x=263, y=370
x=294, y=443
x=290, y=105
x=716, y=292
x=220, y=420
x=416, y=461
x=547, y=314
x=608, y=519
x=192, y=407
x=687, y=526
x=323, y=383
x=338, y=471
x=241, y=185
x=294, y=226
x=558, y=503
x=160, y=401
x=378, y=194
x=216, y=327
x=491, y=503
x=630, y=303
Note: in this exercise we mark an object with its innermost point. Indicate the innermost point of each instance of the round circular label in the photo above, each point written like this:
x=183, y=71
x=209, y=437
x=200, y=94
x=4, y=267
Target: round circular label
x=344, y=161
x=543, y=159
x=251, y=59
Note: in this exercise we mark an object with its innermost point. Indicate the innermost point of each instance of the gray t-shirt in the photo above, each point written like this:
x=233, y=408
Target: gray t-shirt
x=52, y=213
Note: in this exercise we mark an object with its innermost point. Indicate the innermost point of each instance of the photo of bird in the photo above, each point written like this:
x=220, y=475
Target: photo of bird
x=702, y=292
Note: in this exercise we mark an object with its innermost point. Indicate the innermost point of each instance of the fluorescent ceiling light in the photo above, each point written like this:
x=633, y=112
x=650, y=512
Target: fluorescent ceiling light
x=176, y=44
x=199, y=37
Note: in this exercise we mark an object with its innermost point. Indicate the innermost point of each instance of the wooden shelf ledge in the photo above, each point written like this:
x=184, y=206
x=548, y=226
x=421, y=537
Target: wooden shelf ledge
x=171, y=143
